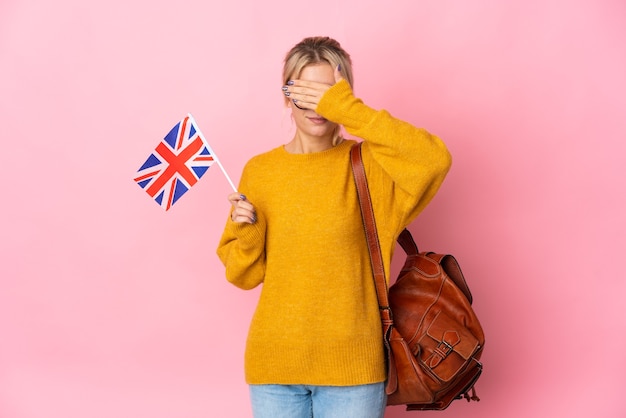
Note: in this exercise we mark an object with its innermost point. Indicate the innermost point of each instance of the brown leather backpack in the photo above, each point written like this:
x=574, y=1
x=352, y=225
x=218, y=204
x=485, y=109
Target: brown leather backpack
x=432, y=337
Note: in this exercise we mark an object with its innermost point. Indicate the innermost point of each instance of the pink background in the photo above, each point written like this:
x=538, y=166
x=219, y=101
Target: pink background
x=110, y=307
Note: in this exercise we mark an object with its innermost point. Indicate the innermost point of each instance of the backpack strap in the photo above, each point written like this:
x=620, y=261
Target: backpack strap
x=407, y=243
x=371, y=235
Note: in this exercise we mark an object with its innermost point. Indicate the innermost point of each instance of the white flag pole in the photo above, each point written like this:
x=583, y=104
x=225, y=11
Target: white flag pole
x=217, y=160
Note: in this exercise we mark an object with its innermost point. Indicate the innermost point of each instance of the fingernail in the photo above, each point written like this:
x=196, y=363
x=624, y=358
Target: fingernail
x=339, y=67
x=290, y=83
x=285, y=88
x=243, y=197
x=287, y=94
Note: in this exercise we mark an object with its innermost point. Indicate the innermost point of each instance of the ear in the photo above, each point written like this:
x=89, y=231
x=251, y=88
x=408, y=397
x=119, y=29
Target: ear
x=338, y=76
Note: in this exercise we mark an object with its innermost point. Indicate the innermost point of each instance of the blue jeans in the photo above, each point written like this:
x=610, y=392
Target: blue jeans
x=303, y=401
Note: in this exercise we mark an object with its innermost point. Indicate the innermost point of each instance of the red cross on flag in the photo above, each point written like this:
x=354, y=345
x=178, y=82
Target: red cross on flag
x=177, y=163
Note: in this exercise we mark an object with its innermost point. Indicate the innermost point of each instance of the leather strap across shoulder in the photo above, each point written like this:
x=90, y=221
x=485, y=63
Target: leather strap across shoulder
x=371, y=234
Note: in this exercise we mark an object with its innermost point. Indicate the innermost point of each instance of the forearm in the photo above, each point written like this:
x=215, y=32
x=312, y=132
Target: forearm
x=403, y=150
x=414, y=161
x=242, y=251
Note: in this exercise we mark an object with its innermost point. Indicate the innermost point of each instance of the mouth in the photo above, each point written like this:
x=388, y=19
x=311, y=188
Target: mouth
x=318, y=120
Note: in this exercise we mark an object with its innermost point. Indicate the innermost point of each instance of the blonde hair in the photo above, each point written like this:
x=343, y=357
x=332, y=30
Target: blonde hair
x=315, y=50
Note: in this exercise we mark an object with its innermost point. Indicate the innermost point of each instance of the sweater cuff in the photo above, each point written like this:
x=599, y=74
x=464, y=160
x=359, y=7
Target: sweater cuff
x=339, y=105
x=249, y=235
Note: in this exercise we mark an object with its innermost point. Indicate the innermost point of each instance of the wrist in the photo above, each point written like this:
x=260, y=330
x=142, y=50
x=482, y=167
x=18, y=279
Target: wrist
x=339, y=105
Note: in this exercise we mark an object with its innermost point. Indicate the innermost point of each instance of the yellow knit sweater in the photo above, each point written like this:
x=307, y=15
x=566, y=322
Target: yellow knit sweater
x=317, y=320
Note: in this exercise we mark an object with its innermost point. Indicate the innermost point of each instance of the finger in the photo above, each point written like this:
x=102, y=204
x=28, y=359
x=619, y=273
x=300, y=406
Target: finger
x=240, y=200
x=306, y=98
x=243, y=211
x=249, y=218
x=244, y=206
x=243, y=215
x=305, y=91
x=296, y=85
x=244, y=219
x=305, y=94
x=233, y=198
x=303, y=105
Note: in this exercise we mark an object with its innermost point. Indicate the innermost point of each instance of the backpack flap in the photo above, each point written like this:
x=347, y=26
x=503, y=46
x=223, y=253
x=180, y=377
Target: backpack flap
x=446, y=348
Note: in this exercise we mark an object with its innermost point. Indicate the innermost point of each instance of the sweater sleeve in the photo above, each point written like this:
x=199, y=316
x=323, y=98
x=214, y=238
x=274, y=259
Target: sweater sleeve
x=415, y=161
x=242, y=249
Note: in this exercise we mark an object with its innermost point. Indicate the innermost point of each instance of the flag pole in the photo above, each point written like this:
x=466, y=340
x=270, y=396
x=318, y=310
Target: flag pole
x=217, y=160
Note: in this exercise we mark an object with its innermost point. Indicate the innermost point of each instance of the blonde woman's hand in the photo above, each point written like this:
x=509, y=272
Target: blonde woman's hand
x=306, y=94
x=243, y=211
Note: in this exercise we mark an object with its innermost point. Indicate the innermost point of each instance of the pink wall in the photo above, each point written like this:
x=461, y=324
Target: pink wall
x=110, y=307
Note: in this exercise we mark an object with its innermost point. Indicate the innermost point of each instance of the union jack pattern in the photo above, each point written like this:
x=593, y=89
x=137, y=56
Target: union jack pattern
x=177, y=163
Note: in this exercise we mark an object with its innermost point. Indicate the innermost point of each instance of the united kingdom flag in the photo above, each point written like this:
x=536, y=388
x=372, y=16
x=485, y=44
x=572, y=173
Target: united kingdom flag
x=177, y=163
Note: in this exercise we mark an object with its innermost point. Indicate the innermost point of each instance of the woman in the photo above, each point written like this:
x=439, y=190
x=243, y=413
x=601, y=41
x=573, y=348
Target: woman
x=314, y=346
